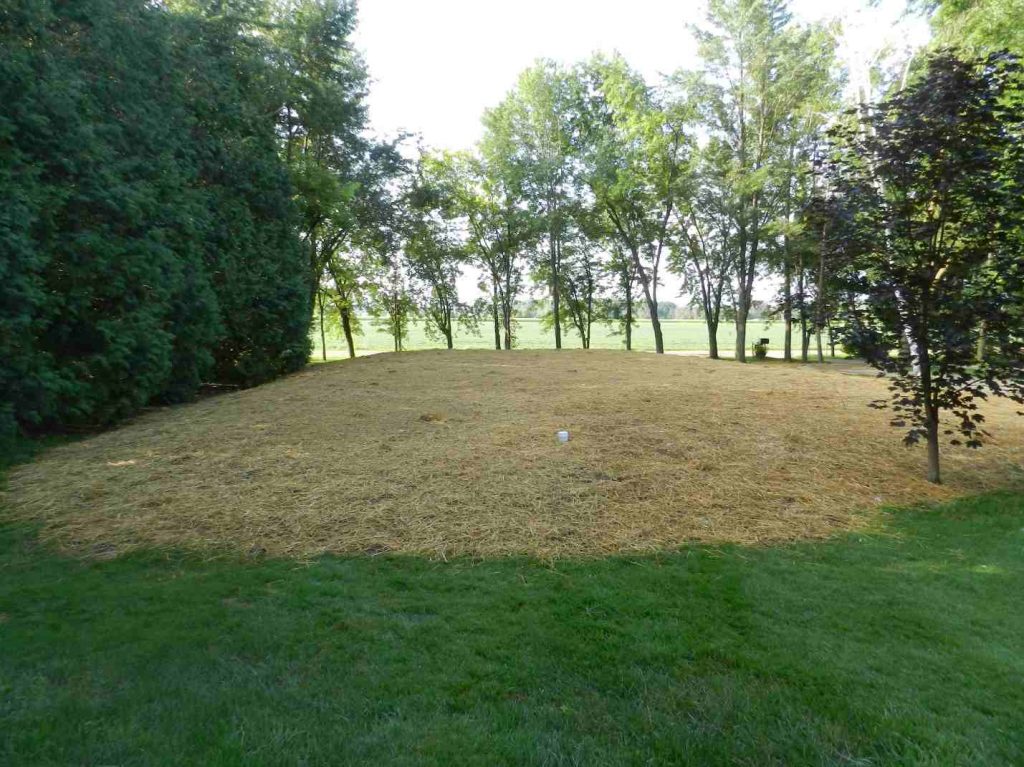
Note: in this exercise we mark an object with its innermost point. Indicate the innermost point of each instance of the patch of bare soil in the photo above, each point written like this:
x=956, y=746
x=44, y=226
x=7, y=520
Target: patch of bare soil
x=446, y=453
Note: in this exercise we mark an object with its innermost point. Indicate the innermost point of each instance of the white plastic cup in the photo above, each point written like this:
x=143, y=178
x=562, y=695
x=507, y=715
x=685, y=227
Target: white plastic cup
x=563, y=436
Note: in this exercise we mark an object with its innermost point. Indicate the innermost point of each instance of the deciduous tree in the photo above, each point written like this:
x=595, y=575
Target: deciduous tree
x=636, y=154
x=929, y=182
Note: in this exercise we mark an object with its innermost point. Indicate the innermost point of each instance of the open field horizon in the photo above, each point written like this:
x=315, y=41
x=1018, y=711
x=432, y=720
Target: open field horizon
x=680, y=335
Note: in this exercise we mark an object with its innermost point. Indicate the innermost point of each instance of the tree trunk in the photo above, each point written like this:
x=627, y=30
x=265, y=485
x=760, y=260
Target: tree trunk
x=908, y=345
x=787, y=308
x=395, y=329
x=659, y=342
x=449, y=326
x=629, y=320
x=819, y=303
x=590, y=317
x=497, y=322
x=787, y=264
x=652, y=308
x=980, y=351
x=506, y=313
x=931, y=411
x=323, y=335
x=554, y=290
x=315, y=271
x=801, y=292
x=712, y=339
x=745, y=278
x=933, y=447
x=742, y=312
x=346, y=326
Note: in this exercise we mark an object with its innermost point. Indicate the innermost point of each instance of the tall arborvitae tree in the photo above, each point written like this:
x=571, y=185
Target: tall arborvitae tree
x=148, y=218
x=930, y=187
x=251, y=238
x=104, y=290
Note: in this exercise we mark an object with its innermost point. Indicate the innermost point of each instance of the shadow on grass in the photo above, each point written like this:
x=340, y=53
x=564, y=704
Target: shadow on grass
x=902, y=646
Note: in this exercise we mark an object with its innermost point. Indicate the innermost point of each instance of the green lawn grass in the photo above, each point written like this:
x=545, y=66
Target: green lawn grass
x=900, y=647
x=680, y=335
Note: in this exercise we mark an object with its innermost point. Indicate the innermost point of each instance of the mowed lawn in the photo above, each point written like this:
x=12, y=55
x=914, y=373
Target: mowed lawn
x=680, y=335
x=905, y=646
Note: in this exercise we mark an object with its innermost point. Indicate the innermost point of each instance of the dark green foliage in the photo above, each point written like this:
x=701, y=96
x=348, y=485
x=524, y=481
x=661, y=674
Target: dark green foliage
x=94, y=268
x=145, y=222
x=258, y=268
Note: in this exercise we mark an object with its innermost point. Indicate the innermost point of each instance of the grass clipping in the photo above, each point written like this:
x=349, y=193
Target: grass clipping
x=447, y=453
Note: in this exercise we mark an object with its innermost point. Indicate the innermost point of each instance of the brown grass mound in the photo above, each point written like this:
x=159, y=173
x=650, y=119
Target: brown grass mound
x=447, y=453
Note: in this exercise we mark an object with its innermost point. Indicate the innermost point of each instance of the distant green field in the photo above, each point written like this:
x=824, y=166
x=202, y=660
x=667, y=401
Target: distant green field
x=680, y=335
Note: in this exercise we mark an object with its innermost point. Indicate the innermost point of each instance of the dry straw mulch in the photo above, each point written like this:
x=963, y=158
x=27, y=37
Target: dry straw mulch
x=444, y=453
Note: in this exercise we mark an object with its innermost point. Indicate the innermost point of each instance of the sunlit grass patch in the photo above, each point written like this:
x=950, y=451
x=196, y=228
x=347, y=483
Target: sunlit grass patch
x=443, y=453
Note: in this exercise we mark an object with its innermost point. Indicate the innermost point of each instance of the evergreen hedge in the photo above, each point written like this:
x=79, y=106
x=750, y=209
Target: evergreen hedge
x=147, y=231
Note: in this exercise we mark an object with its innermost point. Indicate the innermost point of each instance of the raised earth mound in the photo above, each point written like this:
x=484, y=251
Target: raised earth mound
x=448, y=453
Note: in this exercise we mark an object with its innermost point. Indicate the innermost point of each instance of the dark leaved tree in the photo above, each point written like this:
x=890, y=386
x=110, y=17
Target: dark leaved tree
x=928, y=186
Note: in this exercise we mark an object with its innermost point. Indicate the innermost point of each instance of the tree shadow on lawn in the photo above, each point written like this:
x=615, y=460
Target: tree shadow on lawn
x=904, y=645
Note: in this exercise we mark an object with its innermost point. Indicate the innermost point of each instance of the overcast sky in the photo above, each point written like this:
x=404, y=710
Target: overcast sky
x=436, y=65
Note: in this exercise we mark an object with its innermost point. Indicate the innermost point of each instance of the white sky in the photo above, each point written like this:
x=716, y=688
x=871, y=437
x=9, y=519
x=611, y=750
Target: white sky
x=436, y=65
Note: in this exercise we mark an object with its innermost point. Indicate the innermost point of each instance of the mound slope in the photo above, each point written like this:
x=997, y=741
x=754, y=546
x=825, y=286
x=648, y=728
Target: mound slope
x=446, y=453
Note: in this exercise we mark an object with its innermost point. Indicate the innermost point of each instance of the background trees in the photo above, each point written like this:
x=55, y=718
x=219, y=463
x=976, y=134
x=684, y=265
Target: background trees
x=705, y=251
x=359, y=238
x=762, y=90
x=636, y=164
x=499, y=229
x=435, y=253
x=318, y=118
x=530, y=143
x=981, y=26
